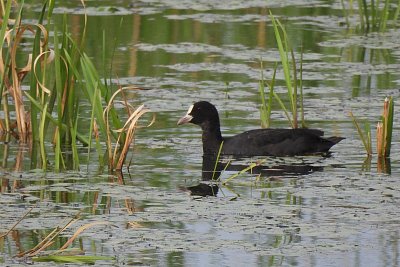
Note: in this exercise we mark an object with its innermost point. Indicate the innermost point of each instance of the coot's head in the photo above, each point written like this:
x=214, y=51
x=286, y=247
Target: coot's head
x=201, y=113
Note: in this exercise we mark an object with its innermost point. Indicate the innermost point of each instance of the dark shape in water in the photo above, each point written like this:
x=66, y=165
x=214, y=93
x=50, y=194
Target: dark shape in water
x=203, y=190
x=212, y=170
x=259, y=142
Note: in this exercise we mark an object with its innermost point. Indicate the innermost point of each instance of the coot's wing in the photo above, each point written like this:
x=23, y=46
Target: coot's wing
x=276, y=142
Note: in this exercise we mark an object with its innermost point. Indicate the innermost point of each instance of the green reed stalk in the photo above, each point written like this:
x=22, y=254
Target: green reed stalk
x=263, y=108
x=250, y=167
x=34, y=111
x=373, y=17
x=283, y=52
x=91, y=131
x=271, y=94
x=294, y=94
x=6, y=16
x=65, y=259
x=68, y=100
x=384, y=16
x=42, y=138
x=345, y=13
x=374, y=12
x=59, y=92
x=303, y=122
x=74, y=148
x=397, y=12
x=361, y=14
x=97, y=94
x=364, y=14
x=366, y=140
x=50, y=10
x=93, y=84
x=49, y=116
x=290, y=73
x=217, y=160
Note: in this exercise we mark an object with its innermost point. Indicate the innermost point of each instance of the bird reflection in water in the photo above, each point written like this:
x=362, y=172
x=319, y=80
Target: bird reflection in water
x=213, y=167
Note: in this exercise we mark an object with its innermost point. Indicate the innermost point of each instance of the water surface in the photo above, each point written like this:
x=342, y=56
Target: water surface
x=340, y=212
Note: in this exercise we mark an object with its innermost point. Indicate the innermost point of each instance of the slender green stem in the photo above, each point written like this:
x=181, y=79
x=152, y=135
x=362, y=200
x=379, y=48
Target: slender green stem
x=271, y=95
x=263, y=108
x=217, y=160
x=294, y=95
x=250, y=167
x=366, y=141
x=303, y=122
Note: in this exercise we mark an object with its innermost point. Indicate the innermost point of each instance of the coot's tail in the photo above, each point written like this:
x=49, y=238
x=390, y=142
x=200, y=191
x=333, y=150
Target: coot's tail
x=335, y=139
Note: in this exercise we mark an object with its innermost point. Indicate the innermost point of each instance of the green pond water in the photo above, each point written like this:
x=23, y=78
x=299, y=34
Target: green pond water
x=334, y=211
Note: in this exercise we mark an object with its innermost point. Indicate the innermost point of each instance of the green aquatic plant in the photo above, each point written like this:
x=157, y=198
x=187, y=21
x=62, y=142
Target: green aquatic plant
x=248, y=168
x=373, y=15
x=265, y=109
x=292, y=81
x=217, y=161
x=63, y=253
x=384, y=131
x=365, y=137
x=62, y=77
x=79, y=259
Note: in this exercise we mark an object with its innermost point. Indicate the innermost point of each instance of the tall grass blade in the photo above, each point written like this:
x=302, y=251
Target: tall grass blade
x=290, y=78
x=365, y=14
x=217, y=160
x=303, y=122
x=6, y=16
x=263, y=109
x=81, y=259
x=293, y=98
x=283, y=108
x=397, y=12
x=35, y=53
x=271, y=94
x=4, y=66
x=80, y=136
x=365, y=140
x=59, y=92
x=250, y=167
x=283, y=54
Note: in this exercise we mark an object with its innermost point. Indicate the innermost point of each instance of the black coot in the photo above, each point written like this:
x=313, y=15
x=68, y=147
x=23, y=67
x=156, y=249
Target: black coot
x=259, y=142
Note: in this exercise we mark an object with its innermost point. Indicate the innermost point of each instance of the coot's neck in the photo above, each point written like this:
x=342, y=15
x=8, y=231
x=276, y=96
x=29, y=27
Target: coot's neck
x=211, y=137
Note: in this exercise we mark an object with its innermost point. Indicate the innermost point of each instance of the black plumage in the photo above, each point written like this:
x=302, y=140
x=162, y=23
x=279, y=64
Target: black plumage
x=259, y=142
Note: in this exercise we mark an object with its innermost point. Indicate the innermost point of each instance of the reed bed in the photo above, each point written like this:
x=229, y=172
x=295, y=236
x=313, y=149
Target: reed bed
x=62, y=77
x=373, y=15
